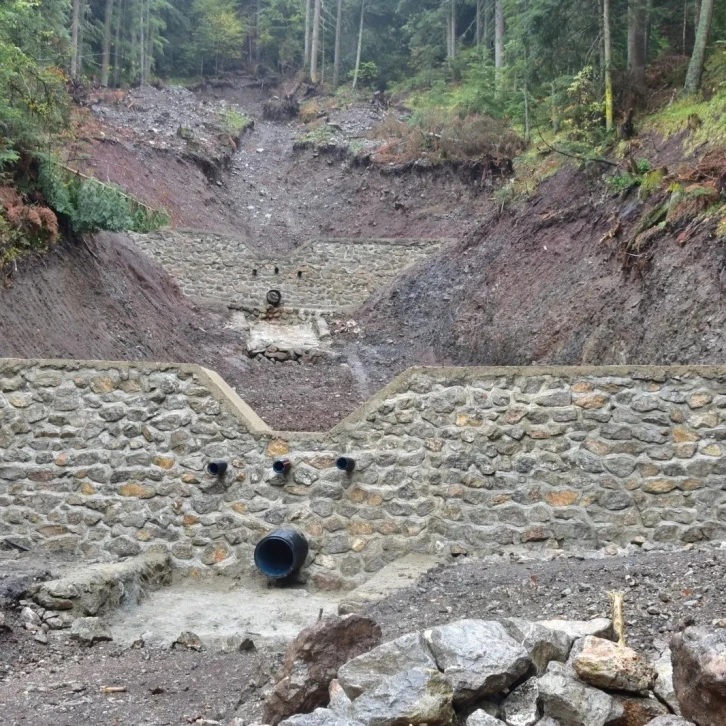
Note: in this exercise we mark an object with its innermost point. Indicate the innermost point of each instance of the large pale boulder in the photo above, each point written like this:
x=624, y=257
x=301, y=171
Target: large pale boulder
x=543, y=644
x=605, y=664
x=572, y=703
x=599, y=627
x=415, y=697
x=370, y=669
x=663, y=687
x=520, y=708
x=312, y=661
x=481, y=718
x=670, y=721
x=478, y=657
x=699, y=674
x=319, y=717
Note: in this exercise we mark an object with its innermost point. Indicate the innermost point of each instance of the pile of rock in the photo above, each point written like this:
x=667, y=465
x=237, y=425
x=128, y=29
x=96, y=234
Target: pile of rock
x=519, y=673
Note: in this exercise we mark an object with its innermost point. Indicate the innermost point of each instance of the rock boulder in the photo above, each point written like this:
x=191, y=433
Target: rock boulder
x=89, y=631
x=368, y=670
x=418, y=696
x=312, y=661
x=572, y=703
x=699, y=674
x=604, y=664
x=478, y=657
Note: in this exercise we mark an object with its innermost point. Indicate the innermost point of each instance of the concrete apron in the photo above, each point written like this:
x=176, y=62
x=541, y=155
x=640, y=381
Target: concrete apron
x=222, y=612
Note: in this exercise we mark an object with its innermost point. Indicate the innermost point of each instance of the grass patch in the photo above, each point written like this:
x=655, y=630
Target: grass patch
x=235, y=123
x=705, y=120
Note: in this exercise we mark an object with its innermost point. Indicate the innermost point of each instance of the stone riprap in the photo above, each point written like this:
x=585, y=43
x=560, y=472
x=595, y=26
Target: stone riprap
x=108, y=460
x=329, y=275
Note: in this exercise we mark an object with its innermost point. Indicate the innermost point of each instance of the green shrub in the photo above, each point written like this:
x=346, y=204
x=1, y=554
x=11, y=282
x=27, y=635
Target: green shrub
x=92, y=206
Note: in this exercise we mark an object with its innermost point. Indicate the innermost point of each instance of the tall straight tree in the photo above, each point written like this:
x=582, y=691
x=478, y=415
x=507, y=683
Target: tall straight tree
x=338, y=38
x=75, y=26
x=608, y=43
x=637, y=29
x=479, y=22
x=106, y=51
x=360, y=43
x=308, y=31
x=315, y=47
x=498, y=34
x=695, y=67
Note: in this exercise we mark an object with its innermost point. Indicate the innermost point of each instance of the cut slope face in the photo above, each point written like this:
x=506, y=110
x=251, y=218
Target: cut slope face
x=538, y=284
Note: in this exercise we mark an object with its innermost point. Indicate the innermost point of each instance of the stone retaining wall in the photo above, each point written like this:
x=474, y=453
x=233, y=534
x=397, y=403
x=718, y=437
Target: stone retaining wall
x=325, y=274
x=108, y=460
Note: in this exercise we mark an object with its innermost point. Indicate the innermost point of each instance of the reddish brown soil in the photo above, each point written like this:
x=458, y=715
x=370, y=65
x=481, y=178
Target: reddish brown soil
x=535, y=284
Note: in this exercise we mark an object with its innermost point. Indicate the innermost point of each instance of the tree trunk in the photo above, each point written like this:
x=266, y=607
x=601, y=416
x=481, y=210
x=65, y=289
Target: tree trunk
x=637, y=21
x=142, y=46
x=315, y=47
x=106, y=52
x=258, y=29
x=117, y=44
x=82, y=34
x=555, y=114
x=360, y=42
x=695, y=67
x=609, y=110
x=498, y=34
x=527, y=130
x=75, y=25
x=478, y=23
x=149, y=54
x=486, y=23
x=308, y=31
x=452, y=21
x=338, y=39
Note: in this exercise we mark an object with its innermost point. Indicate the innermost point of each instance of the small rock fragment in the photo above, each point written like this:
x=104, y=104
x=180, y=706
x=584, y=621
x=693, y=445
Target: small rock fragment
x=520, y=708
x=189, y=640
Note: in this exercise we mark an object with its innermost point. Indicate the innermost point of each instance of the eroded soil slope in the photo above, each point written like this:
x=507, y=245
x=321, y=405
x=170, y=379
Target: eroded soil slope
x=538, y=284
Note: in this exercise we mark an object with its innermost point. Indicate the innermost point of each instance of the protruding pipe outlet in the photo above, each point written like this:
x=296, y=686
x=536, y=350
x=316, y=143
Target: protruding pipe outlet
x=282, y=466
x=217, y=468
x=345, y=463
x=281, y=554
x=274, y=298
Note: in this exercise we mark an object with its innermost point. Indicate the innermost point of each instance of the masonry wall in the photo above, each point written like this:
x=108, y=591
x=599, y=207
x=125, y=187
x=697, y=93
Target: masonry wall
x=107, y=460
x=329, y=275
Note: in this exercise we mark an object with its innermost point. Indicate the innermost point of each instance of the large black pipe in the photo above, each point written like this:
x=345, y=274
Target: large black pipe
x=281, y=554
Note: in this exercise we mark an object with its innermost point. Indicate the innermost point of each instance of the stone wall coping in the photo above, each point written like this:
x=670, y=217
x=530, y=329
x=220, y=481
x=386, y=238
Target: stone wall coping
x=292, y=254
x=224, y=393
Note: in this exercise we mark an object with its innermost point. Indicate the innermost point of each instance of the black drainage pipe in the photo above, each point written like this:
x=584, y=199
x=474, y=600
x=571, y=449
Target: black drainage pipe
x=281, y=466
x=281, y=554
x=217, y=468
x=345, y=463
